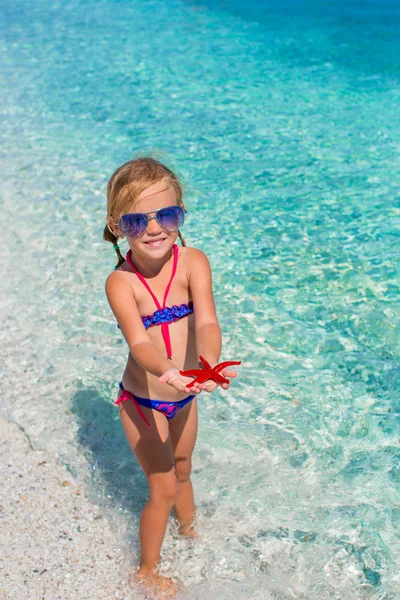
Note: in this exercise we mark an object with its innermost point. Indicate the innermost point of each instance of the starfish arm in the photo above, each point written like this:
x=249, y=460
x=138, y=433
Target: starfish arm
x=218, y=378
x=205, y=363
x=200, y=379
x=224, y=365
x=192, y=372
x=203, y=377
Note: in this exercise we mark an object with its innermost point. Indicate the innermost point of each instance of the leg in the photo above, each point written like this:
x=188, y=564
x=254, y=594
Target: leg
x=183, y=432
x=153, y=450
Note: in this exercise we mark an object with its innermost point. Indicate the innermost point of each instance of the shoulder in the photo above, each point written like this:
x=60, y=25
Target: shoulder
x=117, y=281
x=193, y=257
x=196, y=264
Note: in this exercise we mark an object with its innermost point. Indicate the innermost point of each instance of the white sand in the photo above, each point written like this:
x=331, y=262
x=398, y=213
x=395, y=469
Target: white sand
x=54, y=543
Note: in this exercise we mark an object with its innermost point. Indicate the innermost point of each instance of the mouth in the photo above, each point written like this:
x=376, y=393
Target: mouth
x=155, y=243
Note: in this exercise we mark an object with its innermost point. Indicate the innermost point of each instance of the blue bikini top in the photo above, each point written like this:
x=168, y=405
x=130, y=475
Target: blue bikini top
x=168, y=315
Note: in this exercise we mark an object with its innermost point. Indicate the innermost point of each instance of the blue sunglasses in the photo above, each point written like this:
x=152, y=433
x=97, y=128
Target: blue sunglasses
x=134, y=225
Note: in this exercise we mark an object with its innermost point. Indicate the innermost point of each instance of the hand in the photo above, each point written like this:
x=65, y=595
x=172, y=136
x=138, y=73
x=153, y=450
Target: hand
x=209, y=386
x=179, y=382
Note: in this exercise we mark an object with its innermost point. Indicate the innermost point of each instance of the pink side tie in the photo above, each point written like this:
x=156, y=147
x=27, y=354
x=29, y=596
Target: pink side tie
x=128, y=396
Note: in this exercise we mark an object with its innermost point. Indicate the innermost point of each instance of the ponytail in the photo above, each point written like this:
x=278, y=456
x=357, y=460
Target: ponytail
x=109, y=236
x=181, y=238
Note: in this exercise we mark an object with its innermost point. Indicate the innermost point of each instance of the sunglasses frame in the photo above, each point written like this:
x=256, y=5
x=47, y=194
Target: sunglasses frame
x=155, y=211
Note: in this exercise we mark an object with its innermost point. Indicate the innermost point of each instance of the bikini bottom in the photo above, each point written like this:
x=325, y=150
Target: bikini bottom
x=169, y=409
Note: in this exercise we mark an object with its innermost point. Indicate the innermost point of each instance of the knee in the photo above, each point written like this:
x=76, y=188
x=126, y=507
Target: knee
x=165, y=490
x=183, y=467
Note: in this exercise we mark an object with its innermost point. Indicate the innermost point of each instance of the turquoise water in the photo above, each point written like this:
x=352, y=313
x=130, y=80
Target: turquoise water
x=283, y=120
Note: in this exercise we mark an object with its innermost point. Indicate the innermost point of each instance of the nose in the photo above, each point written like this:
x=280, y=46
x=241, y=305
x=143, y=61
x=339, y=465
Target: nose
x=153, y=226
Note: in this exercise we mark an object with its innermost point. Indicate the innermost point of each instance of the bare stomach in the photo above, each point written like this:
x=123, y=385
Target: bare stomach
x=142, y=383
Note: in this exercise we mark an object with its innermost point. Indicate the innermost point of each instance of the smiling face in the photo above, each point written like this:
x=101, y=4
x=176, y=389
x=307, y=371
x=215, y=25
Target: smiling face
x=155, y=242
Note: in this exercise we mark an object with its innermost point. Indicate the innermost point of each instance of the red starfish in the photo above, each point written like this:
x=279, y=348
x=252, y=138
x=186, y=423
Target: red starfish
x=208, y=372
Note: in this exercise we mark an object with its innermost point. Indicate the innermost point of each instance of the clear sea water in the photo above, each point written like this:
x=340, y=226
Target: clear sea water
x=283, y=119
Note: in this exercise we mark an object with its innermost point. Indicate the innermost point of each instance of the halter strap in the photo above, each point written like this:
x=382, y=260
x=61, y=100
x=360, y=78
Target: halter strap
x=164, y=326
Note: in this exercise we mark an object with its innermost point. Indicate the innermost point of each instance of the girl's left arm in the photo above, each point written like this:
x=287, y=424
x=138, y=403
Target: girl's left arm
x=207, y=329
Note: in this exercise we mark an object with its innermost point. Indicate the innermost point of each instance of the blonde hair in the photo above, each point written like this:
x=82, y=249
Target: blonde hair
x=125, y=186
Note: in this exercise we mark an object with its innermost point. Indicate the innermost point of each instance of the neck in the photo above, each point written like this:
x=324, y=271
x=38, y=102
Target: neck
x=150, y=268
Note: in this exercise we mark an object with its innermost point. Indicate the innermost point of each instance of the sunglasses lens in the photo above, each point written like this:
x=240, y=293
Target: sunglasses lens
x=133, y=225
x=170, y=218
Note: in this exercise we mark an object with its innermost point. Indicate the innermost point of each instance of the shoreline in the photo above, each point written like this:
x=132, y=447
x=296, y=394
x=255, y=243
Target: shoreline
x=54, y=543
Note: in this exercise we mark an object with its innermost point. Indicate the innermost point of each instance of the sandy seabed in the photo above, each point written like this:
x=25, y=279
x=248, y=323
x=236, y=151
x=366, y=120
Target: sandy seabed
x=54, y=543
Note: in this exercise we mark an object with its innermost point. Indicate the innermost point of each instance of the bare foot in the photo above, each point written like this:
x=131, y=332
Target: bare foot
x=186, y=528
x=160, y=587
x=188, y=531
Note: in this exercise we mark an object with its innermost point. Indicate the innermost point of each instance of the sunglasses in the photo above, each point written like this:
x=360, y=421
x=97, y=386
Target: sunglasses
x=134, y=225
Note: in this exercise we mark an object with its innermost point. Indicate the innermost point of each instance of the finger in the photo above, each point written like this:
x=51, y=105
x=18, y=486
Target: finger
x=194, y=386
x=211, y=387
x=229, y=373
x=195, y=389
x=184, y=388
x=193, y=382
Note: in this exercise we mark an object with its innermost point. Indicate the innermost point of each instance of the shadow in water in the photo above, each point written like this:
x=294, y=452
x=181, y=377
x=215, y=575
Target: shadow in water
x=115, y=472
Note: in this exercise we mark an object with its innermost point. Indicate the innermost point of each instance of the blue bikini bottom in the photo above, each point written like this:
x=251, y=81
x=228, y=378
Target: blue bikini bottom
x=169, y=409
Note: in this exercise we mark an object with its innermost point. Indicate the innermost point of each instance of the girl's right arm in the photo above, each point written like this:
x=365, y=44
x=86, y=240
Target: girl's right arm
x=122, y=300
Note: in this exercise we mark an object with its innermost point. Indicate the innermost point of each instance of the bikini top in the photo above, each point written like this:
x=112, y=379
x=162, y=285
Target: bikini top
x=165, y=314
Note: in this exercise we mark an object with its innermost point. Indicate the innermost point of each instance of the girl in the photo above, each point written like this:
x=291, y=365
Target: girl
x=162, y=298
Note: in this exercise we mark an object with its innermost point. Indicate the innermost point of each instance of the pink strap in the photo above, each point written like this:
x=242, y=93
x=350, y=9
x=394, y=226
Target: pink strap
x=128, y=396
x=164, y=326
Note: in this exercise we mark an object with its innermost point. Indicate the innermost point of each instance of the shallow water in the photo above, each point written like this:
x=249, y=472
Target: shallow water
x=283, y=120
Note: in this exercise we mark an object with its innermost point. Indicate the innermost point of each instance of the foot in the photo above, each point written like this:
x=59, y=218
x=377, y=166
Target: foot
x=187, y=528
x=160, y=587
x=188, y=531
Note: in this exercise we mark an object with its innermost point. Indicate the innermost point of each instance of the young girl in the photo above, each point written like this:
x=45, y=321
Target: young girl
x=162, y=298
